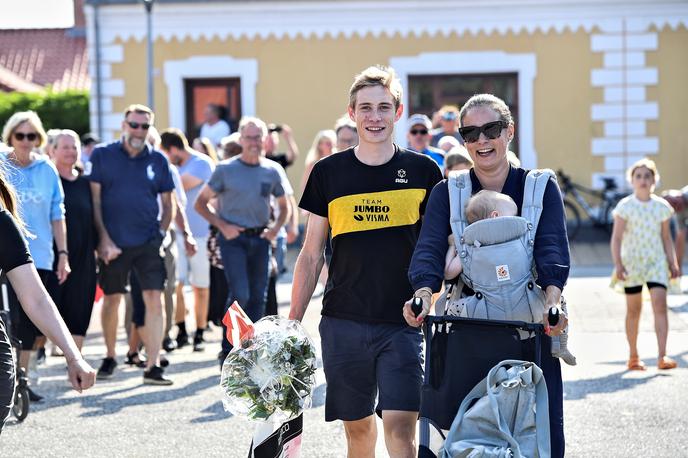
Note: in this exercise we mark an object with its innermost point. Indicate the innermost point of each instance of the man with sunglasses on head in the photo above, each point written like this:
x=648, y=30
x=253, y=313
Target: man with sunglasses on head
x=419, y=138
x=127, y=176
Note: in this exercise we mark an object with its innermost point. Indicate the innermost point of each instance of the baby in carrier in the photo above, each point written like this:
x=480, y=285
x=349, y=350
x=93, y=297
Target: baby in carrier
x=487, y=205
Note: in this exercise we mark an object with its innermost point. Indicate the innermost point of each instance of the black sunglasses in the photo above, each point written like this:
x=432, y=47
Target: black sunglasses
x=20, y=136
x=492, y=130
x=136, y=125
x=418, y=131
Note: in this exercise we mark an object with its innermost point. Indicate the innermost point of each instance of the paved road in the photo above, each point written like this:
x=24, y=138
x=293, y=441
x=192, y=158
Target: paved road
x=608, y=411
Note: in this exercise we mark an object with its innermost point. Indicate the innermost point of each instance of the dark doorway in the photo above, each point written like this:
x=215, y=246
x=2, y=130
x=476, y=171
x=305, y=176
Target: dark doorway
x=199, y=92
x=427, y=93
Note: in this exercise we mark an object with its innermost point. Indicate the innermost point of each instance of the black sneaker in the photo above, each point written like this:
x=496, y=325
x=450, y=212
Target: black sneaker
x=168, y=344
x=198, y=342
x=182, y=339
x=40, y=356
x=154, y=376
x=33, y=396
x=107, y=367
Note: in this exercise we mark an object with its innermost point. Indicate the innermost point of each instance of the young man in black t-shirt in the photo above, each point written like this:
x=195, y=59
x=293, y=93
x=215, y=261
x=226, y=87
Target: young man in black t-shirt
x=372, y=197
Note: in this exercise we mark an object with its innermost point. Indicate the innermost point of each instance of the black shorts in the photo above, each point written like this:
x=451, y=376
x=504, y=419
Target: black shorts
x=639, y=288
x=147, y=260
x=364, y=360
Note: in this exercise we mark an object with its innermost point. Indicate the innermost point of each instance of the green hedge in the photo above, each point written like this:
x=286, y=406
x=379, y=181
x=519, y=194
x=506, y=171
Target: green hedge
x=57, y=110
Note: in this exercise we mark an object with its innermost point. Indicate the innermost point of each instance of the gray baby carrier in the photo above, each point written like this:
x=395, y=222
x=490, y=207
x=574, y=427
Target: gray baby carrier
x=497, y=256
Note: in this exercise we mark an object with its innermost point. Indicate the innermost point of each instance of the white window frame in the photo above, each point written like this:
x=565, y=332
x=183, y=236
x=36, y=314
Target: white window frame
x=176, y=71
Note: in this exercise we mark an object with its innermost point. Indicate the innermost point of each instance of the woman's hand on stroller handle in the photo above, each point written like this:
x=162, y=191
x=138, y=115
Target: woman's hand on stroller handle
x=418, y=307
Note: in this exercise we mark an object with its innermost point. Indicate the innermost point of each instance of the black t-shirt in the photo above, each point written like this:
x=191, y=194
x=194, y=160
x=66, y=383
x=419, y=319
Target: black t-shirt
x=281, y=158
x=374, y=214
x=81, y=234
x=13, y=250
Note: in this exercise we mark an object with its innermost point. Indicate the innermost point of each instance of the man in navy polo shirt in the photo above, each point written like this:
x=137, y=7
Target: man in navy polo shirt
x=126, y=178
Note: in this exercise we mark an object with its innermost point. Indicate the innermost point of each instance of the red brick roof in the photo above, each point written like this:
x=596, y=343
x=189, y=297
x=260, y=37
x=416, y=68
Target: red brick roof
x=43, y=57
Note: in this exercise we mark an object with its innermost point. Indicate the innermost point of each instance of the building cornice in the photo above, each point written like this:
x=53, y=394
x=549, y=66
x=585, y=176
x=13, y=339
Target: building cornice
x=323, y=19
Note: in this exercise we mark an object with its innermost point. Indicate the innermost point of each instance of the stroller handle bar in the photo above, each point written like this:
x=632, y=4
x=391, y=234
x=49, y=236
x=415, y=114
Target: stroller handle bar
x=522, y=325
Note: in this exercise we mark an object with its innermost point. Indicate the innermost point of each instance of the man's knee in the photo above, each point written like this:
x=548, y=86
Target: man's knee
x=361, y=430
x=153, y=300
x=400, y=427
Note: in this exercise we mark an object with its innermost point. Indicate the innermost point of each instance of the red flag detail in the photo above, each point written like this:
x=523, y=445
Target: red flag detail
x=239, y=325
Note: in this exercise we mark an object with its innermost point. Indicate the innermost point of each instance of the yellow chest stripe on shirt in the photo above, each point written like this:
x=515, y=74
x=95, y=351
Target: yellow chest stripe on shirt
x=375, y=210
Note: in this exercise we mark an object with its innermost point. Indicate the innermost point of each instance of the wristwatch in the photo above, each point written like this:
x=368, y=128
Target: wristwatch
x=64, y=252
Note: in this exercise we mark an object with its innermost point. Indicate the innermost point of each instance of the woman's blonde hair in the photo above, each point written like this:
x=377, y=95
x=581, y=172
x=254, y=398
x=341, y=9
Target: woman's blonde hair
x=313, y=153
x=644, y=162
x=21, y=117
x=210, y=150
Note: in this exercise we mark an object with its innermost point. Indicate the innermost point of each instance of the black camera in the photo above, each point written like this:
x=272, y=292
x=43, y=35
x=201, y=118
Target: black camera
x=274, y=128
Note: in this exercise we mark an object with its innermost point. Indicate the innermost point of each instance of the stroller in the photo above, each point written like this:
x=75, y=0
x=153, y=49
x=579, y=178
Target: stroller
x=20, y=407
x=466, y=343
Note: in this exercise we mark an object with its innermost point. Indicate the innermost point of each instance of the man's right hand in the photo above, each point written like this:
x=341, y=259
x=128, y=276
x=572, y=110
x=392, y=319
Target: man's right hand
x=108, y=251
x=231, y=231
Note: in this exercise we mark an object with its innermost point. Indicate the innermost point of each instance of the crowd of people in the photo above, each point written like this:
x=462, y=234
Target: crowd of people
x=146, y=216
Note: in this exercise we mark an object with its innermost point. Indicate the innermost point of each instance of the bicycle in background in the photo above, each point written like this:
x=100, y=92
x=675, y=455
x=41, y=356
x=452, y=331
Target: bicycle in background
x=600, y=215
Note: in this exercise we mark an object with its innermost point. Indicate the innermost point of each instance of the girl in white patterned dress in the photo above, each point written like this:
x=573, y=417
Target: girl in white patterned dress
x=643, y=253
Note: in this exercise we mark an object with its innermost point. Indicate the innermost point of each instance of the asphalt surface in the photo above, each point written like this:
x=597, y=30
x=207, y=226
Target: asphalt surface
x=608, y=411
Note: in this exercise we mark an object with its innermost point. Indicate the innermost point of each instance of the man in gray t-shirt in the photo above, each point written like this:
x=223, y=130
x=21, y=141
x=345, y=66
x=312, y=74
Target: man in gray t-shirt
x=243, y=186
x=193, y=267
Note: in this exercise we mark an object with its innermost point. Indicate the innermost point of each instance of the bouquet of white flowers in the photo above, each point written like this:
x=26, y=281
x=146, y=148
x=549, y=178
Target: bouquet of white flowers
x=271, y=374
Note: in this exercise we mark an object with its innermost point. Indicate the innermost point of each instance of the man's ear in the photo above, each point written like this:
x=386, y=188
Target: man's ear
x=494, y=214
x=400, y=111
x=351, y=112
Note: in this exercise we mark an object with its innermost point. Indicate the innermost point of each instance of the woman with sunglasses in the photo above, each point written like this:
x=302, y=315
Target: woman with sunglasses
x=41, y=204
x=487, y=129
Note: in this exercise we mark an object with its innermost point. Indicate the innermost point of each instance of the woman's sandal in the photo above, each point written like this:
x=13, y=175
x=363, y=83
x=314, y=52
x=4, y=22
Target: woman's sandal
x=133, y=359
x=666, y=363
x=635, y=364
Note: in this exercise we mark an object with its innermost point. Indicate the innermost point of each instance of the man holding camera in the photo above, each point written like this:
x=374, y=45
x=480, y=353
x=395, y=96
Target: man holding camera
x=285, y=159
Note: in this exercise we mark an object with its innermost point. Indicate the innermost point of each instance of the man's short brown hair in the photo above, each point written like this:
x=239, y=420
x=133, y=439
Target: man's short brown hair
x=377, y=75
x=140, y=109
x=173, y=137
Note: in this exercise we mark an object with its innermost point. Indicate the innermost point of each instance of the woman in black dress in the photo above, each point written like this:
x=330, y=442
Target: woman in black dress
x=16, y=263
x=75, y=296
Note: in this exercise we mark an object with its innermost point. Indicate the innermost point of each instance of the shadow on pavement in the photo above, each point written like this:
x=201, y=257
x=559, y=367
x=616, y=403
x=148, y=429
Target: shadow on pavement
x=113, y=402
x=580, y=389
x=216, y=412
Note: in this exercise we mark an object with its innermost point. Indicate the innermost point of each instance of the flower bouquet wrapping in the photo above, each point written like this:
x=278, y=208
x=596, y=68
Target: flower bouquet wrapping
x=270, y=372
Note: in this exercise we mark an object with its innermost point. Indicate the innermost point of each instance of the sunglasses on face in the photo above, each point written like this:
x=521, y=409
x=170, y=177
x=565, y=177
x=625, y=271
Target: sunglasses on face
x=492, y=130
x=137, y=125
x=20, y=136
x=418, y=132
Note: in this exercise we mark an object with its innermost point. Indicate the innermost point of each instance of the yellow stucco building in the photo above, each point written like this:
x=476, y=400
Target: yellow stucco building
x=594, y=85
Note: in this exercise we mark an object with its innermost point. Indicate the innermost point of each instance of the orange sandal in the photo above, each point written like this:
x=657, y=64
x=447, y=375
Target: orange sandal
x=635, y=364
x=666, y=363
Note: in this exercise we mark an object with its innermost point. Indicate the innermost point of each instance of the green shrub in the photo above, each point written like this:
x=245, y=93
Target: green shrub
x=57, y=110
